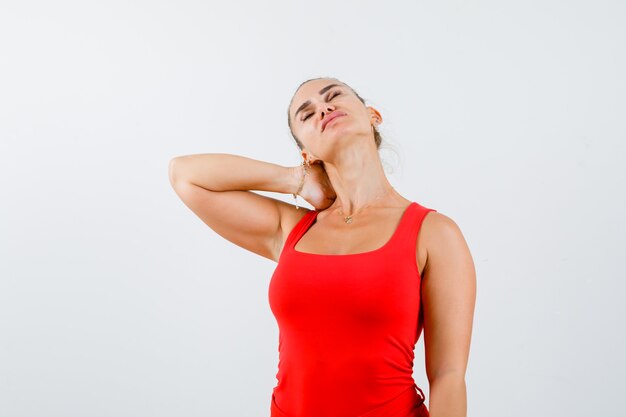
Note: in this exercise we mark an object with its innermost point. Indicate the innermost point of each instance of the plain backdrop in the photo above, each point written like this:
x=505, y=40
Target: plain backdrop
x=116, y=300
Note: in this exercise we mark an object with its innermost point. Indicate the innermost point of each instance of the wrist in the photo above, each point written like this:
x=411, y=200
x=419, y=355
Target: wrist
x=292, y=176
x=300, y=172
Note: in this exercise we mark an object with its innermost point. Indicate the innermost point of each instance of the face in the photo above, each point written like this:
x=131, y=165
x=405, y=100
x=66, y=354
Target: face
x=324, y=111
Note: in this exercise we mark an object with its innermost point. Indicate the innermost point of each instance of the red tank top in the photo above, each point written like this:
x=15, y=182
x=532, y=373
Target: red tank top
x=348, y=325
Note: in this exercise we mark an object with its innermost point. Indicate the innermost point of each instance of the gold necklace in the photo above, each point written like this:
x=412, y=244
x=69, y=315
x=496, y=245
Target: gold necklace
x=348, y=219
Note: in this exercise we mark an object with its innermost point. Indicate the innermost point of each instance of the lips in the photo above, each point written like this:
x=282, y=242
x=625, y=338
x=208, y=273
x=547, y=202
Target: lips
x=331, y=117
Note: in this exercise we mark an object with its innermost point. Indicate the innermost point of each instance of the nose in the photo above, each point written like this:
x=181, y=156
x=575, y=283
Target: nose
x=329, y=108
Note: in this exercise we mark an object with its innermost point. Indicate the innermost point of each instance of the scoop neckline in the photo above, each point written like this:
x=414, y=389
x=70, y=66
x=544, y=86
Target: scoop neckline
x=393, y=237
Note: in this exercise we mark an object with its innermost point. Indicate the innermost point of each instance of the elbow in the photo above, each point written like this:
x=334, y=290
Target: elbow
x=173, y=171
x=446, y=375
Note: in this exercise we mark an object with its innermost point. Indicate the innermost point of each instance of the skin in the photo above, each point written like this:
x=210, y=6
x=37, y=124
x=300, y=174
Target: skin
x=347, y=150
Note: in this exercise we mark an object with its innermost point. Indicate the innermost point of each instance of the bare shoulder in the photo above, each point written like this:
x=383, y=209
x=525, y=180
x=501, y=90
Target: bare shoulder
x=439, y=233
x=438, y=226
x=289, y=217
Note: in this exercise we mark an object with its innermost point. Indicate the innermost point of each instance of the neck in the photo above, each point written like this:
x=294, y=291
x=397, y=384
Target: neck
x=358, y=178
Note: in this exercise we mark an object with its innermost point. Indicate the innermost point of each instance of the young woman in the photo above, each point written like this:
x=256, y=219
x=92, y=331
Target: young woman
x=355, y=282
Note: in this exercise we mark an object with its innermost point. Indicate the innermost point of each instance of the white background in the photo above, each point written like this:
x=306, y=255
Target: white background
x=115, y=300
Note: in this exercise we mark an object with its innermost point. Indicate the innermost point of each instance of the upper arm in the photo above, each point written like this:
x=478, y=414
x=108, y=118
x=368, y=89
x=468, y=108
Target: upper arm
x=448, y=296
x=245, y=218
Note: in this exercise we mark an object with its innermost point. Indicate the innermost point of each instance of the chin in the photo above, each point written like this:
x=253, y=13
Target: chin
x=335, y=130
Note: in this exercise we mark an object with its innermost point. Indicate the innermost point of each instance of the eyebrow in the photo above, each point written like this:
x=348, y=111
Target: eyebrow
x=306, y=103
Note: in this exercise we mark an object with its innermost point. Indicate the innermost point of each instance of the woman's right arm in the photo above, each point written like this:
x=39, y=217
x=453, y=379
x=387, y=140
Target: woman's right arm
x=217, y=188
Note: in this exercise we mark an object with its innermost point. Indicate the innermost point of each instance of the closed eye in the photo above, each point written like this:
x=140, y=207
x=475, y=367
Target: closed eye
x=334, y=95
x=329, y=97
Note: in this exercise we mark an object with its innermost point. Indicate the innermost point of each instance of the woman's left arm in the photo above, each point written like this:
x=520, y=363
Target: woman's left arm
x=449, y=298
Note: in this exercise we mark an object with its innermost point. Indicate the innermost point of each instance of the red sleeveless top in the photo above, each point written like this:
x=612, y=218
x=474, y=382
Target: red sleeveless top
x=348, y=325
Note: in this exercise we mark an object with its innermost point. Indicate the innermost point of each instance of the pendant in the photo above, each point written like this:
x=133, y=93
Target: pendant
x=348, y=219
